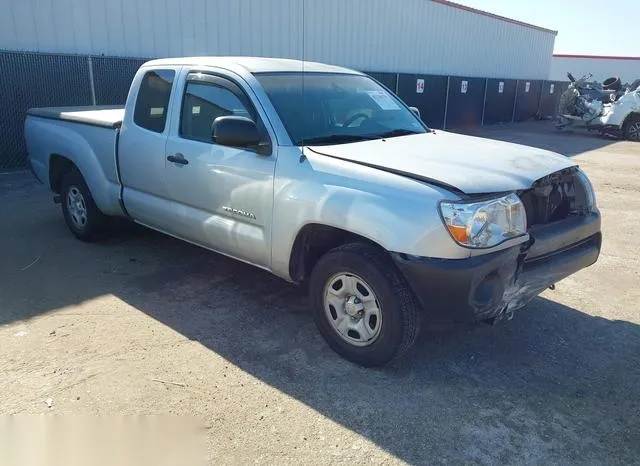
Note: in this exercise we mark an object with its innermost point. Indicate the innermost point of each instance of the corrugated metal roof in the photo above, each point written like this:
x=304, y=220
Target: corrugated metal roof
x=600, y=67
x=492, y=15
x=595, y=57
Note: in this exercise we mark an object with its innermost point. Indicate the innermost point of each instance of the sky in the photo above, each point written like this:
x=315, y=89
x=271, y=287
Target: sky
x=585, y=27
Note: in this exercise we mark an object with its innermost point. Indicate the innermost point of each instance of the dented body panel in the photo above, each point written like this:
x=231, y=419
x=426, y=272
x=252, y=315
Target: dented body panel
x=494, y=285
x=470, y=164
x=616, y=113
x=612, y=116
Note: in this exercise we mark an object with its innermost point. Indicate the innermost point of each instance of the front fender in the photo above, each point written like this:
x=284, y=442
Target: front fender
x=617, y=112
x=398, y=213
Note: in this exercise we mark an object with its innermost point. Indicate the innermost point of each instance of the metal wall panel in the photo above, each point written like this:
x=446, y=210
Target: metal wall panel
x=527, y=99
x=499, y=106
x=431, y=102
x=408, y=36
x=389, y=80
x=36, y=80
x=550, y=97
x=626, y=68
x=465, y=102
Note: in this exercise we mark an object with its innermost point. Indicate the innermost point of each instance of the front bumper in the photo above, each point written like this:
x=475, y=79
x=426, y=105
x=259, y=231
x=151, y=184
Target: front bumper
x=487, y=286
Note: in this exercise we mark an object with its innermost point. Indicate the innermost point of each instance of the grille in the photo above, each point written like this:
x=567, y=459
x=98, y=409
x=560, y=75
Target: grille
x=555, y=197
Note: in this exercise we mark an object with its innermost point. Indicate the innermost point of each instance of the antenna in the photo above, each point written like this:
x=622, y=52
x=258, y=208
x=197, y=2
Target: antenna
x=303, y=76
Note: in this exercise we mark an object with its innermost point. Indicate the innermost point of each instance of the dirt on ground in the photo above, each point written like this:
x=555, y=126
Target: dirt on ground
x=144, y=324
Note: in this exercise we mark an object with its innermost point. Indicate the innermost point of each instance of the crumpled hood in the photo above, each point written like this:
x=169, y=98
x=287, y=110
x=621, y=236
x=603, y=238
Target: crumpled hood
x=470, y=164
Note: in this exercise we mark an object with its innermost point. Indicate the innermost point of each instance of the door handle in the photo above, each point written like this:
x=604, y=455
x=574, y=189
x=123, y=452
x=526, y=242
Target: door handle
x=178, y=158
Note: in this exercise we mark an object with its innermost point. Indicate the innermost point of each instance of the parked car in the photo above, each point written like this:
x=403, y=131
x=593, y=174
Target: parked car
x=322, y=176
x=609, y=108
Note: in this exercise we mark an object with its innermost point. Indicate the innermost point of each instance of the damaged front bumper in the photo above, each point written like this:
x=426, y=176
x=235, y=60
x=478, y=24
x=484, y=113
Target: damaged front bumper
x=494, y=285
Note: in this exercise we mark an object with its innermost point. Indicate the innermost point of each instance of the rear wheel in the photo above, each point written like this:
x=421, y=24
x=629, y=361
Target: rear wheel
x=631, y=129
x=362, y=305
x=81, y=214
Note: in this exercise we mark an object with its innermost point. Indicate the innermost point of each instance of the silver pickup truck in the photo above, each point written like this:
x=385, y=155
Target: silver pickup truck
x=322, y=176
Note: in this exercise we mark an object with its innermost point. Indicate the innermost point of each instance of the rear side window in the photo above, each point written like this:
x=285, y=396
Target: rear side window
x=153, y=100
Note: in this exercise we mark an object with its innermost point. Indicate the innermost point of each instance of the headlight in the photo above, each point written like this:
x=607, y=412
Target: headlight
x=486, y=223
x=588, y=187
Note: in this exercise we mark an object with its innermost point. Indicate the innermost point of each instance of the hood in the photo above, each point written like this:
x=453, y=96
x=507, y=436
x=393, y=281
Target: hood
x=468, y=164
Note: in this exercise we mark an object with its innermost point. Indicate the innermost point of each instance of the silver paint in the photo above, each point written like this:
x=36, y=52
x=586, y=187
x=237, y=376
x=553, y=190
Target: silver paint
x=251, y=206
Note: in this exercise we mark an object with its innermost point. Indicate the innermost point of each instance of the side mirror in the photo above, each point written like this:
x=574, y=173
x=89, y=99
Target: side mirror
x=235, y=131
x=416, y=111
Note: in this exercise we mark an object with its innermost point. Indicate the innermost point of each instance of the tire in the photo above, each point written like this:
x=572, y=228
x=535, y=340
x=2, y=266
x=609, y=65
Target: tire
x=612, y=84
x=631, y=128
x=84, y=219
x=395, y=328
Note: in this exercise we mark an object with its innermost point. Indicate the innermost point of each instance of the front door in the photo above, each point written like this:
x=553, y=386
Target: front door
x=222, y=195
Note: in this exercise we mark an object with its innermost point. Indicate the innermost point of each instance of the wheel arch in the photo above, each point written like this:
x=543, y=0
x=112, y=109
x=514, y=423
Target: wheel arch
x=315, y=239
x=59, y=166
x=632, y=116
x=104, y=192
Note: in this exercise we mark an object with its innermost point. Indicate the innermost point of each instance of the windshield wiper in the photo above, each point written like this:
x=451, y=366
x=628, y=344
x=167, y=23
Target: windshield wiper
x=397, y=132
x=335, y=139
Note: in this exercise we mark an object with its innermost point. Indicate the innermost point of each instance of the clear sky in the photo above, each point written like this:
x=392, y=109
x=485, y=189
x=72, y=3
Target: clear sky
x=585, y=27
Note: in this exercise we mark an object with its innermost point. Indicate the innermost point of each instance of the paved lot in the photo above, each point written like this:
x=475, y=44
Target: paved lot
x=142, y=323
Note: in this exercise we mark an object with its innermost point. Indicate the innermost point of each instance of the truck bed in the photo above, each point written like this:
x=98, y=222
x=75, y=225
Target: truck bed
x=107, y=116
x=86, y=136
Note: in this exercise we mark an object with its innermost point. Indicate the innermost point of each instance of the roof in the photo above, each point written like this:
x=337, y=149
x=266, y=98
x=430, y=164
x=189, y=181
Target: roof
x=494, y=16
x=596, y=57
x=254, y=64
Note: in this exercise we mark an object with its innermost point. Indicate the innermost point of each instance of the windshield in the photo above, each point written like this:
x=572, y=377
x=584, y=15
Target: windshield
x=331, y=108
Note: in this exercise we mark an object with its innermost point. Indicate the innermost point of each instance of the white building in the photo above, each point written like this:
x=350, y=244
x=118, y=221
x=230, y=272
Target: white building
x=601, y=67
x=406, y=36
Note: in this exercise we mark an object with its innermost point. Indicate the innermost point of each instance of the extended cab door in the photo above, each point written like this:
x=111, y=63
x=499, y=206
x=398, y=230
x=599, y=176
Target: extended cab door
x=142, y=147
x=222, y=195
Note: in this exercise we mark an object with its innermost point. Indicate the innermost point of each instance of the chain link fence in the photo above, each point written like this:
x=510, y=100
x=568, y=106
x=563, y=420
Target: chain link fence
x=36, y=80
x=49, y=80
x=112, y=78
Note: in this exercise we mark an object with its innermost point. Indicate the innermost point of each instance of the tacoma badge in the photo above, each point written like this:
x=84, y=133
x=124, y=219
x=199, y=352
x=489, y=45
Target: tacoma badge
x=243, y=213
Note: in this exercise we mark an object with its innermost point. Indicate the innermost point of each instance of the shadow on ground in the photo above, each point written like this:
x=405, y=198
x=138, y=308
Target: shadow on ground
x=555, y=376
x=555, y=381
x=543, y=135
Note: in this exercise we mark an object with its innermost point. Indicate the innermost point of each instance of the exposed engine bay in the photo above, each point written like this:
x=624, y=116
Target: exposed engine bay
x=556, y=197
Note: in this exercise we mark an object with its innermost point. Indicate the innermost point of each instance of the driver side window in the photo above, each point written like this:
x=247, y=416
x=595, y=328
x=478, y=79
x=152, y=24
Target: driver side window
x=203, y=102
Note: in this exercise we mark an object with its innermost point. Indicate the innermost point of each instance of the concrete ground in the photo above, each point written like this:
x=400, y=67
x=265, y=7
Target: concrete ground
x=145, y=324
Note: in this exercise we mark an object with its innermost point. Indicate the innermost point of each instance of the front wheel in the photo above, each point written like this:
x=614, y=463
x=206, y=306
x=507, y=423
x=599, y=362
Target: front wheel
x=631, y=128
x=362, y=305
x=83, y=217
